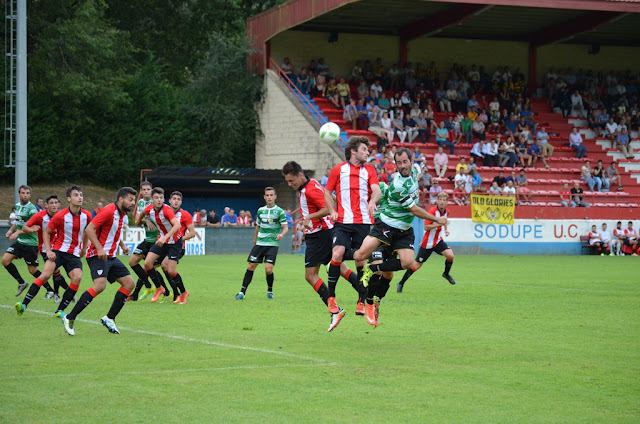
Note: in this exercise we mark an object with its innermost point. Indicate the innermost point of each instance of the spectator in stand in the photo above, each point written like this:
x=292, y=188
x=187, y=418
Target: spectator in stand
x=302, y=81
x=322, y=68
x=411, y=127
x=490, y=153
x=524, y=131
x=460, y=196
x=393, y=77
x=344, y=92
x=452, y=95
x=383, y=102
x=361, y=115
x=12, y=216
x=387, y=126
x=521, y=182
x=212, y=219
x=530, y=120
x=376, y=90
x=419, y=161
x=463, y=177
x=631, y=238
x=423, y=128
x=605, y=237
x=39, y=204
x=229, y=219
x=98, y=208
x=478, y=129
x=618, y=239
x=587, y=177
x=349, y=114
x=483, y=117
x=545, y=143
x=287, y=68
x=575, y=141
x=611, y=131
x=523, y=156
x=325, y=177
x=477, y=151
x=622, y=141
x=472, y=113
x=415, y=111
x=441, y=99
x=198, y=219
x=473, y=105
x=398, y=126
x=600, y=174
x=425, y=180
x=603, y=119
x=363, y=91
x=442, y=138
x=242, y=221
x=500, y=179
x=576, y=196
x=495, y=189
x=476, y=181
x=356, y=73
x=321, y=85
x=462, y=164
x=614, y=176
x=440, y=162
x=433, y=191
x=577, y=106
x=508, y=153
x=466, y=129
x=535, y=153
x=510, y=190
x=565, y=196
x=332, y=93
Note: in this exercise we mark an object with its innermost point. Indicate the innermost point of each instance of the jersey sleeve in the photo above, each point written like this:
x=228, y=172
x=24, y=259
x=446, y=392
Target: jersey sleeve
x=373, y=176
x=432, y=211
x=55, y=221
x=316, y=196
x=283, y=218
x=403, y=197
x=88, y=215
x=147, y=210
x=332, y=182
x=168, y=212
x=35, y=220
x=186, y=218
x=141, y=206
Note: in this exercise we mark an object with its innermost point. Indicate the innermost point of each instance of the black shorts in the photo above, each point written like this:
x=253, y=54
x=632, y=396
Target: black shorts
x=395, y=238
x=350, y=236
x=28, y=253
x=67, y=260
x=423, y=254
x=111, y=268
x=261, y=254
x=318, y=250
x=382, y=253
x=143, y=248
x=171, y=251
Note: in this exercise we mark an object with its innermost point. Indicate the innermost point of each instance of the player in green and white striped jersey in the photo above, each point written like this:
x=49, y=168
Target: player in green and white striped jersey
x=394, y=227
x=25, y=244
x=271, y=226
x=140, y=252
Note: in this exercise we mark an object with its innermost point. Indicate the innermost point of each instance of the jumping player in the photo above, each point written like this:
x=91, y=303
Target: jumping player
x=357, y=192
x=168, y=243
x=65, y=242
x=394, y=227
x=433, y=242
x=271, y=226
x=141, y=250
x=105, y=234
x=25, y=245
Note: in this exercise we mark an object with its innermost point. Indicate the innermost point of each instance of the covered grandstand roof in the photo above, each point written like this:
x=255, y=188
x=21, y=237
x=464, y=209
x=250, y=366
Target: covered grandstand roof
x=596, y=22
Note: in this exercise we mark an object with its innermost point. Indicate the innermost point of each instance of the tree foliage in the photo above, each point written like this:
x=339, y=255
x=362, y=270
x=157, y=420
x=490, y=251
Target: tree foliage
x=117, y=86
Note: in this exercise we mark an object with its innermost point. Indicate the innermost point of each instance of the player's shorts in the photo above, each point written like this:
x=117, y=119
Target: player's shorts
x=261, y=254
x=382, y=253
x=110, y=268
x=350, y=236
x=395, y=238
x=143, y=248
x=318, y=251
x=66, y=260
x=28, y=253
x=171, y=251
x=423, y=254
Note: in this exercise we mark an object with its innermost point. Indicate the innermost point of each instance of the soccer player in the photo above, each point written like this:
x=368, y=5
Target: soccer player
x=25, y=245
x=357, y=192
x=433, y=242
x=170, y=262
x=317, y=226
x=168, y=243
x=37, y=224
x=595, y=239
x=141, y=250
x=271, y=226
x=394, y=227
x=65, y=242
x=105, y=234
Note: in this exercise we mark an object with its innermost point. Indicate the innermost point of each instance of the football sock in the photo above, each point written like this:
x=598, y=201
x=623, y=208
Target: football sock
x=348, y=255
x=407, y=274
x=118, y=302
x=372, y=288
x=333, y=275
x=33, y=291
x=248, y=276
x=67, y=297
x=270, y=282
x=11, y=269
x=172, y=282
x=47, y=287
x=137, y=268
x=321, y=288
x=157, y=279
x=59, y=281
x=389, y=265
x=136, y=291
x=354, y=279
x=84, y=301
x=383, y=287
x=447, y=266
x=180, y=283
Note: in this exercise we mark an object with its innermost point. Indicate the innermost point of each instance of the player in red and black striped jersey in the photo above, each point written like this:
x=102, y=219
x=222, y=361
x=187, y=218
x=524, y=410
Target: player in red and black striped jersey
x=105, y=234
x=433, y=242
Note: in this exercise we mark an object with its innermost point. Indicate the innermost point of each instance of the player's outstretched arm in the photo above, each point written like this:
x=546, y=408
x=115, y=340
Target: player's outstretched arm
x=137, y=219
x=191, y=232
x=421, y=213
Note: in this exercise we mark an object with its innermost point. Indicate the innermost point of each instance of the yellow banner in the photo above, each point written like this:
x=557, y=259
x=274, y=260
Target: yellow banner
x=492, y=209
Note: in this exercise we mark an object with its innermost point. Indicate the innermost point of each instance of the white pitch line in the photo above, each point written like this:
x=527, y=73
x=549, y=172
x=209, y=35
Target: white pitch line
x=181, y=371
x=189, y=339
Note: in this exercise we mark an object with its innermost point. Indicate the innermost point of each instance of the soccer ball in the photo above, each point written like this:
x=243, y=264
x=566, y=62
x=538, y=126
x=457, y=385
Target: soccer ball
x=330, y=133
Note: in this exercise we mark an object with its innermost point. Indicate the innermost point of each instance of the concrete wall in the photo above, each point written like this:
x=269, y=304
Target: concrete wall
x=289, y=134
x=302, y=46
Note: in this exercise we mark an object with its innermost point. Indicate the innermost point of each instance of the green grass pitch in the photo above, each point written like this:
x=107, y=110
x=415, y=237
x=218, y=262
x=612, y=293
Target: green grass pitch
x=518, y=339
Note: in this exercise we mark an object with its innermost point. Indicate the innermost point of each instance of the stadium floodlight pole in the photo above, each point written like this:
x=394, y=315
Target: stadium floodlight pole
x=21, y=98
